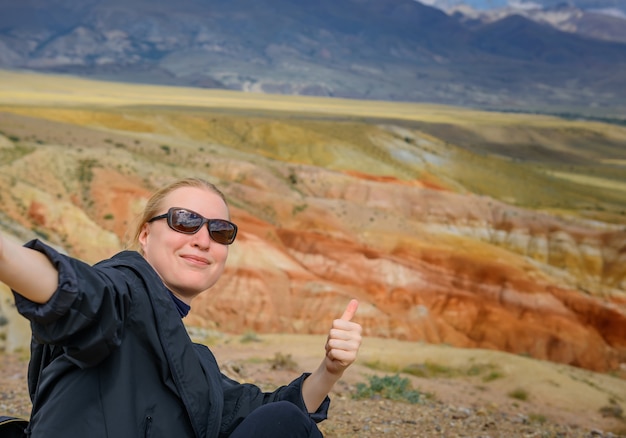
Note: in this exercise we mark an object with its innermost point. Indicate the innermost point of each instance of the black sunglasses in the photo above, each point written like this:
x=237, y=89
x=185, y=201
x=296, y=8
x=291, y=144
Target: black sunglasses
x=189, y=222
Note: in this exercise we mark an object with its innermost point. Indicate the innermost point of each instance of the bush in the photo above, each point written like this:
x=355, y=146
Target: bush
x=248, y=337
x=389, y=387
x=613, y=410
x=493, y=375
x=537, y=418
x=519, y=394
x=283, y=362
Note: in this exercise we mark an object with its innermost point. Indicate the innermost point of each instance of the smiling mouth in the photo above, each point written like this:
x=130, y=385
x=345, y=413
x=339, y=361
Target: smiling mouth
x=196, y=260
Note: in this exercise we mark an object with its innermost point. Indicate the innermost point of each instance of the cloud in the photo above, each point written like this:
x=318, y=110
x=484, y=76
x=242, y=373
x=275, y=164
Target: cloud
x=614, y=12
x=524, y=5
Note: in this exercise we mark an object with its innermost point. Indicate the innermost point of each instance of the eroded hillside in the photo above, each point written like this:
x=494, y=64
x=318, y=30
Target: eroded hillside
x=450, y=226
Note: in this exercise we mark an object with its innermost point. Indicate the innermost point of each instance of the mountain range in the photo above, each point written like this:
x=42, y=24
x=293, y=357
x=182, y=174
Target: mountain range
x=397, y=50
x=602, y=24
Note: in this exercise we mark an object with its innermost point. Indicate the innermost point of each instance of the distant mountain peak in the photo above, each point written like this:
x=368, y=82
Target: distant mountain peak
x=611, y=7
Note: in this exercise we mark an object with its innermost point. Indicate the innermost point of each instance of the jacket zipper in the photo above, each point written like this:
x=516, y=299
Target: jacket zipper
x=148, y=426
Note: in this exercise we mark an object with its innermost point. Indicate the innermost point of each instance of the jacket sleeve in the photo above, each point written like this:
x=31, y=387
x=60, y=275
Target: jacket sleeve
x=239, y=399
x=86, y=313
x=242, y=398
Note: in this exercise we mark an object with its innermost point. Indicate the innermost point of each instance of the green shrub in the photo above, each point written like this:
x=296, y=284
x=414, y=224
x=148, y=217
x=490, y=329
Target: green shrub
x=613, y=410
x=298, y=209
x=283, y=362
x=519, y=394
x=493, y=375
x=389, y=387
x=249, y=337
x=537, y=418
x=85, y=169
x=42, y=233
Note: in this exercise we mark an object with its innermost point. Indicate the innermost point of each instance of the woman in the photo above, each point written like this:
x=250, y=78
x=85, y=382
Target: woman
x=110, y=356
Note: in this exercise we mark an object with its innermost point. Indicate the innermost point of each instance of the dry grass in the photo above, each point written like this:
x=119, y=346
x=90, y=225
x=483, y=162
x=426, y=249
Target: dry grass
x=20, y=88
x=26, y=88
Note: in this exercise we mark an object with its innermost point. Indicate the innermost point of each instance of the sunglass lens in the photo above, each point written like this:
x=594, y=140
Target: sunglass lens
x=222, y=231
x=186, y=221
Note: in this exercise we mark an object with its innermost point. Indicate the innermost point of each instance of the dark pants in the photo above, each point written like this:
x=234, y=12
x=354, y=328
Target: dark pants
x=277, y=420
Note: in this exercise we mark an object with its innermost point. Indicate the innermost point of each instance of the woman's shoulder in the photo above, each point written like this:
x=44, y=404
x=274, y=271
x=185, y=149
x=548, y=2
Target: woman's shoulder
x=129, y=259
x=128, y=267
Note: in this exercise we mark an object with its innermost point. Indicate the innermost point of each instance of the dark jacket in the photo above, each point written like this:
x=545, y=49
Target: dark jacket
x=110, y=357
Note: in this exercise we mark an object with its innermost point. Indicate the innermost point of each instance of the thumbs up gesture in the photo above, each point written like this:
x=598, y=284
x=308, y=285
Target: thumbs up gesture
x=343, y=341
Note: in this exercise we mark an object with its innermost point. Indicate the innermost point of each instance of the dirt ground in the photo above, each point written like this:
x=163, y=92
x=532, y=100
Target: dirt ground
x=559, y=401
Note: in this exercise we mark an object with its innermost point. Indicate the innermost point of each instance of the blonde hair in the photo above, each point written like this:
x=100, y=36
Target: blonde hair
x=153, y=206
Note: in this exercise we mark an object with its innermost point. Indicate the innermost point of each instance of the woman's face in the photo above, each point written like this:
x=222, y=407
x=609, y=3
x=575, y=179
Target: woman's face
x=188, y=264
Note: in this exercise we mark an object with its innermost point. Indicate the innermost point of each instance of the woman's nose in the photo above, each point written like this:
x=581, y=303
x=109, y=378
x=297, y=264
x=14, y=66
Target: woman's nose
x=202, y=239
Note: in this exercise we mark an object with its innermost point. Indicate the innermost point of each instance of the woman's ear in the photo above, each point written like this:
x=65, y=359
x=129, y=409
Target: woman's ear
x=143, y=237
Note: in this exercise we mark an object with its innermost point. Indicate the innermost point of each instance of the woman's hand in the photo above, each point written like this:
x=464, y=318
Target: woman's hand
x=342, y=346
x=343, y=341
x=26, y=271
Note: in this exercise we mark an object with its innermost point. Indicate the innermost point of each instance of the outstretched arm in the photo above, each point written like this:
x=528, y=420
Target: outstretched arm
x=27, y=272
x=342, y=347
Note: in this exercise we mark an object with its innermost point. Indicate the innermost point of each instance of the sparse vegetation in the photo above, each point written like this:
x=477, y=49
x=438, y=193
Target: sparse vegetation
x=431, y=369
x=11, y=154
x=382, y=366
